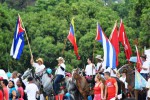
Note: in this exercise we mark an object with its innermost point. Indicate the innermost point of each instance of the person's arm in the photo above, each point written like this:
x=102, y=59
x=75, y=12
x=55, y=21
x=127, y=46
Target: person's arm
x=14, y=95
x=116, y=86
x=144, y=68
x=105, y=94
x=32, y=60
x=102, y=90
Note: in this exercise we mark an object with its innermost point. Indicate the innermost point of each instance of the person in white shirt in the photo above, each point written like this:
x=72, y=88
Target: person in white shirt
x=113, y=72
x=31, y=89
x=148, y=87
x=123, y=78
x=100, y=67
x=145, y=67
x=39, y=66
x=90, y=68
x=15, y=78
x=59, y=74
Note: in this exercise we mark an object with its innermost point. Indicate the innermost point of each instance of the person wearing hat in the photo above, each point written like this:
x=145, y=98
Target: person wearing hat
x=100, y=68
x=145, y=68
x=59, y=74
x=39, y=65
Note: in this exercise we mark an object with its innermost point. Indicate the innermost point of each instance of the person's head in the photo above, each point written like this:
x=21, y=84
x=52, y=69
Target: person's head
x=11, y=84
x=143, y=57
x=99, y=58
x=60, y=60
x=107, y=75
x=19, y=83
x=40, y=61
x=89, y=60
x=14, y=75
x=30, y=79
x=4, y=82
x=98, y=78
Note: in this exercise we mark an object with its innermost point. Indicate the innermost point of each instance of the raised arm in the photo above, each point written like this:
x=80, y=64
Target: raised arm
x=32, y=60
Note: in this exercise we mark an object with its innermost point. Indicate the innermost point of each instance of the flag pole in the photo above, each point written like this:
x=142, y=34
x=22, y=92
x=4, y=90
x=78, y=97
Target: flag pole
x=93, y=50
x=26, y=37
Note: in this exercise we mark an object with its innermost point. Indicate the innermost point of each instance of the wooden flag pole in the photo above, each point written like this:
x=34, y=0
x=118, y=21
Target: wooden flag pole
x=93, y=51
x=26, y=37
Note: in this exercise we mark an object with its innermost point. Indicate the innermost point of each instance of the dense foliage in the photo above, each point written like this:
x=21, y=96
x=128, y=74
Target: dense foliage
x=47, y=25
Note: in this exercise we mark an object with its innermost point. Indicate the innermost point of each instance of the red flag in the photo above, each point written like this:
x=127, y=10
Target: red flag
x=72, y=39
x=124, y=40
x=139, y=61
x=115, y=42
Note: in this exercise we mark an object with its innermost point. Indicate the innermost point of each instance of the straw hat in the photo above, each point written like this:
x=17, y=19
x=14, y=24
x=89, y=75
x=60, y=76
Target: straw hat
x=40, y=59
x=61, y=59
x=99, y=57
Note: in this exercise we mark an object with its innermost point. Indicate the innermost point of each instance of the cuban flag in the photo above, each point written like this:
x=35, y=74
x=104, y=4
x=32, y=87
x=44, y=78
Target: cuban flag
x=109, y=51
x=18, y=40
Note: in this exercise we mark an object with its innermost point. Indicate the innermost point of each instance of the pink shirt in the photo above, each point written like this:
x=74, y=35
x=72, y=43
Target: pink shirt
x=21, y=91
x=6, y=94
x=1, y=95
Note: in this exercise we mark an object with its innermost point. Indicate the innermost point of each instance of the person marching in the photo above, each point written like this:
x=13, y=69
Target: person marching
x=100, y=67
x=111, y=90
x=60, y=73
x=39, y=66
x=123, y=78
x=98, y=88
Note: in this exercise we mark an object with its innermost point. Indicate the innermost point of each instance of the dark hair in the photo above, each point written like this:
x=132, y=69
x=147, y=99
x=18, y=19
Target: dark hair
x=107, y=73
x=22, y=84
x=30, y=79
x=5, y=82
x=90, y=58
x=13, y=84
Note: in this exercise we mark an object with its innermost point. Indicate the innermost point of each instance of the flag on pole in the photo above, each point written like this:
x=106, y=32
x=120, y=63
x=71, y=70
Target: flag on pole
x=18, y=40
x=140, y=82
x=109, y=51
x=115, y=42
x=139, y=61
x=71, y=37
x=124, y=40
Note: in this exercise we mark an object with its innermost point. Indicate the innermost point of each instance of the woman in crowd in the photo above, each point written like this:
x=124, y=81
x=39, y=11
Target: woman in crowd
x=1, y=93
x=21, y=88
x=4, y=84
x=98, y=88
x=12, y=91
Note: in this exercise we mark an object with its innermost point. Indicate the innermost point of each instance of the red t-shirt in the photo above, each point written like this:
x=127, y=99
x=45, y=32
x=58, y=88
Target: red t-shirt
x=21, y=91
x=111, y=90
x=1, y=95
x=6, y=93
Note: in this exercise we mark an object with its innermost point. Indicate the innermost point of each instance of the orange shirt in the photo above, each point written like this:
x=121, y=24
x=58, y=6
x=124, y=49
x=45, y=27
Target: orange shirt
x=111, y=90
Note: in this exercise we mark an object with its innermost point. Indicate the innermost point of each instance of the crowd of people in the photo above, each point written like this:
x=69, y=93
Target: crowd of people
x=14, y=88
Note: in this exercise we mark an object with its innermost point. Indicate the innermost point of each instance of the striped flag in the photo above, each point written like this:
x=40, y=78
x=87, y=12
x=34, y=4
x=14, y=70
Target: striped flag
x=18, y=40
x=109, y=51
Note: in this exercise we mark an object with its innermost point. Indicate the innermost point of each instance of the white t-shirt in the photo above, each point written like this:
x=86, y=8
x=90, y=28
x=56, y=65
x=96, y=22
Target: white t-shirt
x=38, y=68
x=100, y=64
x=31, y=90
x=89, y=68
x=60, y=71
x=123, y=79
x=146, y=64
x=112, y=74
x=148, y=86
